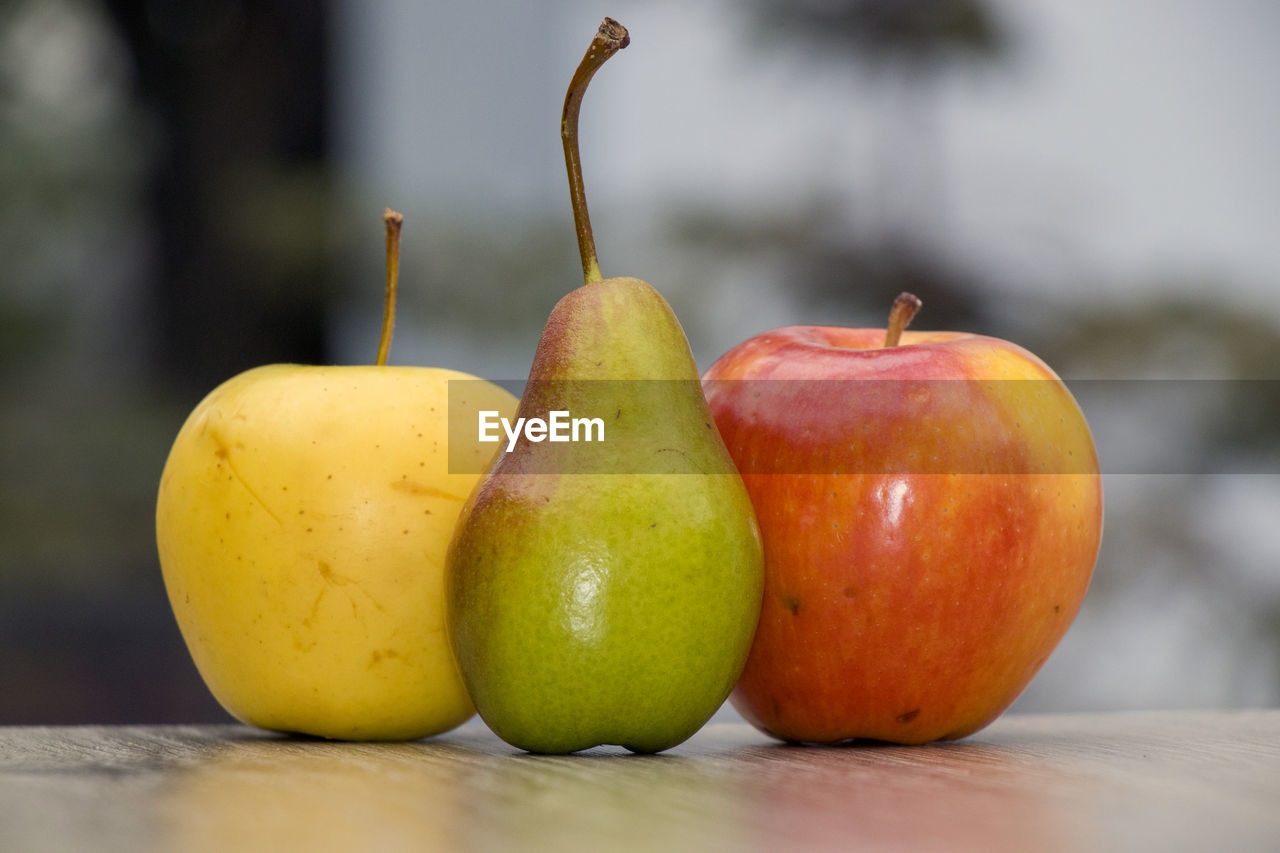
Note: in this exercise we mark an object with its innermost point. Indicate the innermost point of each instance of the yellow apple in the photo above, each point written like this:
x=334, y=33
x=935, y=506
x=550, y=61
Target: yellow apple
x=302, y=522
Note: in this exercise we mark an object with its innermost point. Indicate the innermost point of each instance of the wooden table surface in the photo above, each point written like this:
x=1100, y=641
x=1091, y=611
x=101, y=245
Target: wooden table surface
x=1132, y=781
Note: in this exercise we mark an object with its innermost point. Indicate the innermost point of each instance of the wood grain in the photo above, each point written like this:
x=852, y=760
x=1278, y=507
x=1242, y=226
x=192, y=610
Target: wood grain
x=1133, y=781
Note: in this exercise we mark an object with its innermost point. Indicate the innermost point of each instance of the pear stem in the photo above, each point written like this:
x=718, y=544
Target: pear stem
x=393, y=221
x=609, y=39
x=905, y=307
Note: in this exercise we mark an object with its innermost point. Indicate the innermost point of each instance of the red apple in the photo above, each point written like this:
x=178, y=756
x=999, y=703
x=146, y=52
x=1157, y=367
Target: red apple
x=931, y=511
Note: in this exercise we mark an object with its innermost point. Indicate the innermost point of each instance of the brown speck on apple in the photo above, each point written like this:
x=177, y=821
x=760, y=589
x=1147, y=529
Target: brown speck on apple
x=908, y=716
x=792, y=603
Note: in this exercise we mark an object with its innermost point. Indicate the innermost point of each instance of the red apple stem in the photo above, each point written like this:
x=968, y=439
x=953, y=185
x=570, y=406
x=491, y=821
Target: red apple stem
x=393, y=221
x=609, y=39
x=904, y=309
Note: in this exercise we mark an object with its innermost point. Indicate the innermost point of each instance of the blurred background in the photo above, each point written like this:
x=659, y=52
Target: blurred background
x=189, y=188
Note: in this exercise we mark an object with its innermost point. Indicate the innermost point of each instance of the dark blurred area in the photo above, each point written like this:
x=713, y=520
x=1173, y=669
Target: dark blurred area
x=180, y=160
x=176, y=209
x=235, y=196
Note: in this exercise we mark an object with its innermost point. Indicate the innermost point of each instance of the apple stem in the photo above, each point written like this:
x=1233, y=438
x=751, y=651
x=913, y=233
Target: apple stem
x=609, y=39
x=905, y=307
x=393, y=221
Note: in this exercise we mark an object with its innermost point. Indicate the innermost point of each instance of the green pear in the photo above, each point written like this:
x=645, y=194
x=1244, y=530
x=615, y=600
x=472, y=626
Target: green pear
x=606, y=591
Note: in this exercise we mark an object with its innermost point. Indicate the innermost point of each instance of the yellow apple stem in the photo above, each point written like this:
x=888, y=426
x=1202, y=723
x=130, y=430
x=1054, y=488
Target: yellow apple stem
x=393, y=221
x=609, y=39
x=904, y=309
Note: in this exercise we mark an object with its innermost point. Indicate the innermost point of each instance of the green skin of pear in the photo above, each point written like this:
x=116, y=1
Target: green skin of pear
x=607, y=593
